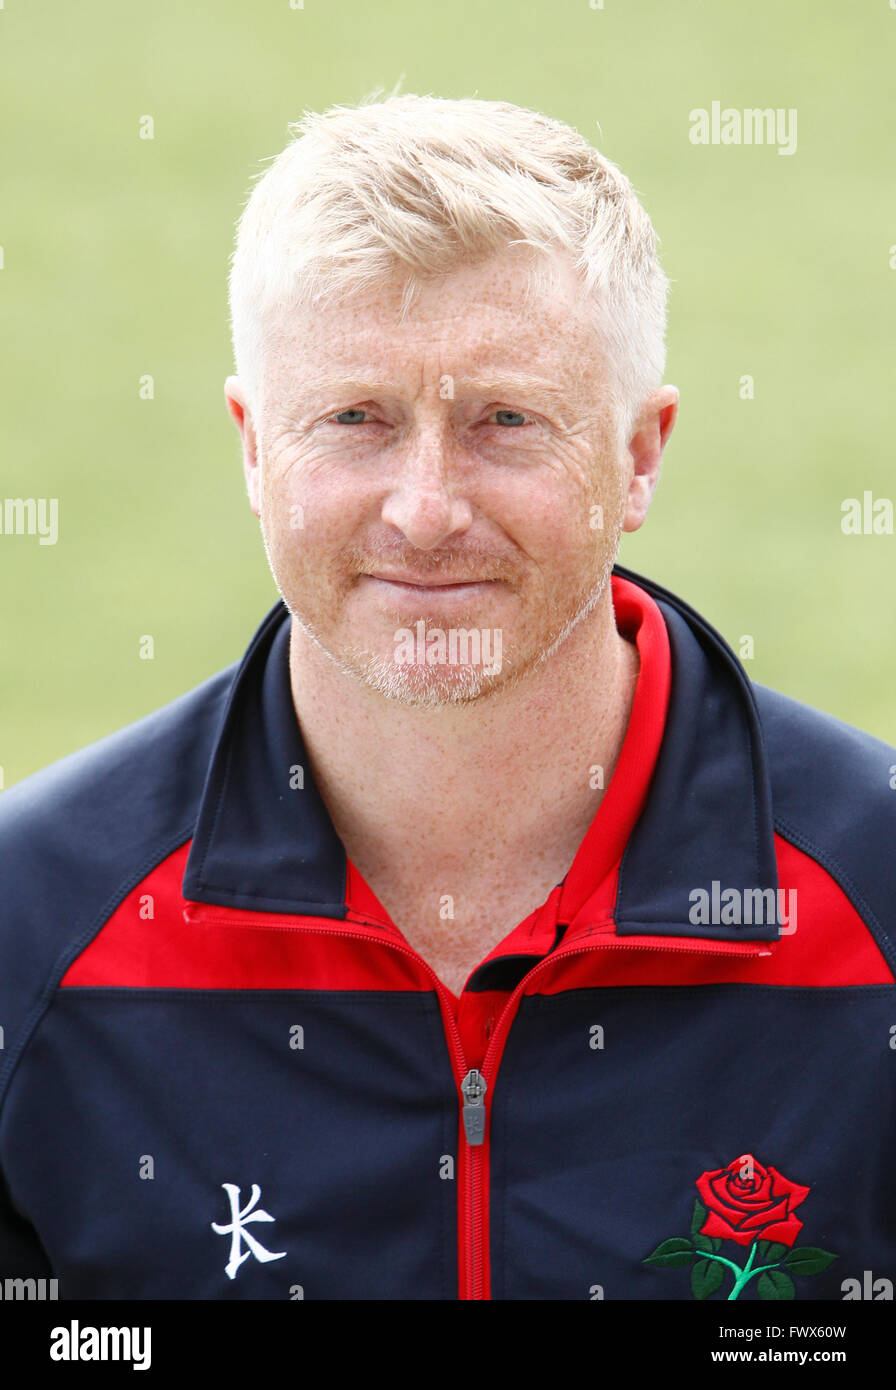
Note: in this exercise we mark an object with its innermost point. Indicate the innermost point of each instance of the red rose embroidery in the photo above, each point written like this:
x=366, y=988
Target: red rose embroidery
x=746, y=1202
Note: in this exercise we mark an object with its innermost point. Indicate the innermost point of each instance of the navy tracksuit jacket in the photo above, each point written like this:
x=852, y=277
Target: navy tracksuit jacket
x=226, y=1075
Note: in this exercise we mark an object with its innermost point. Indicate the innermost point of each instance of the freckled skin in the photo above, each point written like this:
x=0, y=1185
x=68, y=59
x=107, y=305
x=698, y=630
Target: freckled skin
x=476, y=448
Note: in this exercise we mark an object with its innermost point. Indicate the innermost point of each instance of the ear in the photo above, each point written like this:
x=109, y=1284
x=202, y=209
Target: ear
x=236, y=398
x=652, y=429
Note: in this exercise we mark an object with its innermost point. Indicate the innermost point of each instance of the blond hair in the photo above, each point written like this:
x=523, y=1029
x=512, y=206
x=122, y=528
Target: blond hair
x=431, y=184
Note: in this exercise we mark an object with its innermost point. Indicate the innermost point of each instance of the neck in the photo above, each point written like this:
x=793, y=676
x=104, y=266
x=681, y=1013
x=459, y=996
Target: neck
x=502, y=774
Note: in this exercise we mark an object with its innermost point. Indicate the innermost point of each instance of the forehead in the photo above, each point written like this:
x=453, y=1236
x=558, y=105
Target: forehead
x=513, y=313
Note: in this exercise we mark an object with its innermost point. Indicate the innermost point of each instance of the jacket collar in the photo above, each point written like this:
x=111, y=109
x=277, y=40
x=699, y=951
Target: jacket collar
x=708, y=821
x=264, y=840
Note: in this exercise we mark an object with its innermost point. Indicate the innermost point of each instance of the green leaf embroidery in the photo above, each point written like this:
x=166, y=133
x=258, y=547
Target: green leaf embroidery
x=767, y=1251
x=775, y=1284
x=698, y=1218
x=672, y=1254
x=706, y=1276
x=808, y=1260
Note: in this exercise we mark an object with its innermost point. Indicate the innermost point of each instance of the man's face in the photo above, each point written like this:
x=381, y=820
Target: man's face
x=453, y=471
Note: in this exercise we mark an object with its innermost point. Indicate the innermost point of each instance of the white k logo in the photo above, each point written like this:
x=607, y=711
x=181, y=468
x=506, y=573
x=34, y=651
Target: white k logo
x=235, y=1229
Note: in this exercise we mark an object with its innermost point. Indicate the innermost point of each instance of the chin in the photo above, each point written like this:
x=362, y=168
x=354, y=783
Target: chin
x=426, y=687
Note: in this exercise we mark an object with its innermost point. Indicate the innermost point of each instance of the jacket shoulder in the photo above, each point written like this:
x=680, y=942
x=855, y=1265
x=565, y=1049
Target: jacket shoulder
x=81, y=833
x=144, y=773
x=812, y=754
x=834, y=796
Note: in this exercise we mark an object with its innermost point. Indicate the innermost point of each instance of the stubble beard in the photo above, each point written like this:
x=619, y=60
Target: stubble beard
x=459, y=684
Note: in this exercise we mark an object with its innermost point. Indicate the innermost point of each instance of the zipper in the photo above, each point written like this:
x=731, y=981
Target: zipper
x=473, y=1088
x=473, y=1171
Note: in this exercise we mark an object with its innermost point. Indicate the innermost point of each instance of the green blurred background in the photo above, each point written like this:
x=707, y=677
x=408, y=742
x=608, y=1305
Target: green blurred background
x=115, y=261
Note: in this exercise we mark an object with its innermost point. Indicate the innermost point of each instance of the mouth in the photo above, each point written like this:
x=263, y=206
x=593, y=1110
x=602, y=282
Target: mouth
x=430, y=594
x=429, y=584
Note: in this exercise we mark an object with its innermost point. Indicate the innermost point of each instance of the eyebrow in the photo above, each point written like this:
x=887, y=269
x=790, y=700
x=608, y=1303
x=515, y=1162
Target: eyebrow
x=500, y=384
x=509, y=382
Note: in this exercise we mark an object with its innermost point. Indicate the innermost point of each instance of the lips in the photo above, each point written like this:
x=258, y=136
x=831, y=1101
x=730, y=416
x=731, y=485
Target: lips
x=426, y=582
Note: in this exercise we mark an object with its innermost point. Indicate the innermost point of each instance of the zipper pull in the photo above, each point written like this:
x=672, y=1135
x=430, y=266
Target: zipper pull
x=473, y=1088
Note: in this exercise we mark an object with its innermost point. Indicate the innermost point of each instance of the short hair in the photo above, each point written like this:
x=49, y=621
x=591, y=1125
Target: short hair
x=433, y=184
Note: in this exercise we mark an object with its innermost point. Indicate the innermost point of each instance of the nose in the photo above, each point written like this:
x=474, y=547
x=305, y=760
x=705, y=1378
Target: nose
x=424, y=502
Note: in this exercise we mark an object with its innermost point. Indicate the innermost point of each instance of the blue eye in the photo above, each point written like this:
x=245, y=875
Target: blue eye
x=509, y=417
x=342, y=414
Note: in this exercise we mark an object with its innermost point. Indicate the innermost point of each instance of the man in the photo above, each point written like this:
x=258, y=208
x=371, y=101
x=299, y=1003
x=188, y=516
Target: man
x=484, y=933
